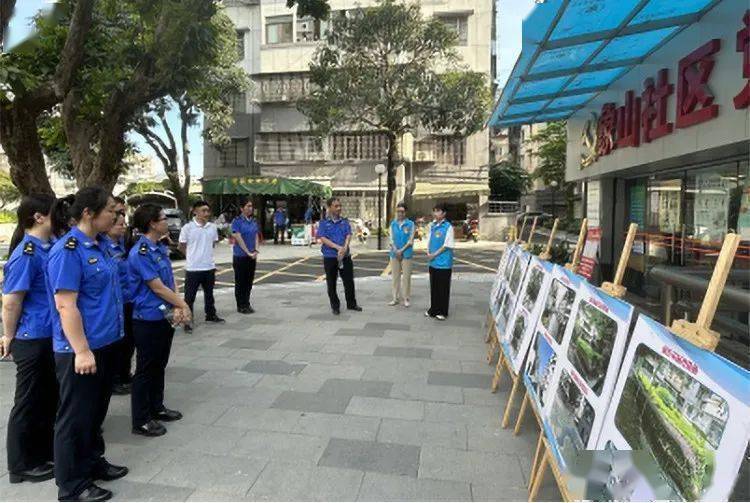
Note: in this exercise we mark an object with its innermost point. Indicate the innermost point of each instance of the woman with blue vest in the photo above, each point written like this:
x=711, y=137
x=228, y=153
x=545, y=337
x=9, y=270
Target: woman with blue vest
x=155, y=300
x=28, y=338
x=440, y=245
x=402, y=250
x=87, y=322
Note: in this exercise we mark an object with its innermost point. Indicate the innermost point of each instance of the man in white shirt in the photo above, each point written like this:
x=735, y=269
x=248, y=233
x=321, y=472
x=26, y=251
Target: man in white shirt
x=197, y=240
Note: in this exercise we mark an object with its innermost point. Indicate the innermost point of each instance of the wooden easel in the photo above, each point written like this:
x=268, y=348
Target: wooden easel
x=615, y=288
x=491, y=338
x=699, y=333
x=519, y=238
x=529, y=243
x=573, y=264
x=547, y=253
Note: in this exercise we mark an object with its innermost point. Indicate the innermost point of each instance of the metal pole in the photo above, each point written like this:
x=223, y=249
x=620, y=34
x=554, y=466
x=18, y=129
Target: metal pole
x=380, y=212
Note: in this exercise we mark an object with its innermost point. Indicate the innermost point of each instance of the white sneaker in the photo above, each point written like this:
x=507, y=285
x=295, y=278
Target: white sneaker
x=393, y=303
x=407, y=303
x=427, y=314
x=440, y=317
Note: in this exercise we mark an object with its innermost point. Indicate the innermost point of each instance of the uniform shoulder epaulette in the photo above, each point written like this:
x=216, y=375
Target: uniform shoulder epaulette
x=71, y=243
x=28, y=248
x=143, y=249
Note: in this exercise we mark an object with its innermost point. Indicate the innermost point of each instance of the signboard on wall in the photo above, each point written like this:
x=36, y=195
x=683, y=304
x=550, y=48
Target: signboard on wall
x=593, y=202
x=688, y=408
x=590, y=254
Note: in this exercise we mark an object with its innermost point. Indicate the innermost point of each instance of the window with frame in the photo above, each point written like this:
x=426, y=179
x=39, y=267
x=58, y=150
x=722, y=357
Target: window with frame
x=450, y=150
x=308, y=29
x=238, y=102
x=234, y=154
x=240, y=44
x=279, y=30
x=458, y=24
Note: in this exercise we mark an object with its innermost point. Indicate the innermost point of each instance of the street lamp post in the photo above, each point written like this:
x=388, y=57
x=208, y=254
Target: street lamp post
x=553, y=184
x=380, y=169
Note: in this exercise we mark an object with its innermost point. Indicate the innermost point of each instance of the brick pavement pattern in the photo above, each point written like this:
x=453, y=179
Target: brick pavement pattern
x=293, y=403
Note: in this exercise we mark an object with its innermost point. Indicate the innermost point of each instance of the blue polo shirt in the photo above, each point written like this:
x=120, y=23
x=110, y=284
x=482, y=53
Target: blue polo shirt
x=147, y=261
x=400, y=232
x=336, y=231
x=441, y=234
x=80, y=264
x=248, y=229
x=279, y=218
x=116, y=251
x=24, y=272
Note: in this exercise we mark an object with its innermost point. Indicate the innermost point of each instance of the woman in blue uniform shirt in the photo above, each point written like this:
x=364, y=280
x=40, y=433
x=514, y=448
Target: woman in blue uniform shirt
x=440, y=243
x=28, y=338
x=86, y=323
x=154, y=295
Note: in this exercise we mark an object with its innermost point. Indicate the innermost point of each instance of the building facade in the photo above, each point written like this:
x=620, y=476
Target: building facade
x=271, y=137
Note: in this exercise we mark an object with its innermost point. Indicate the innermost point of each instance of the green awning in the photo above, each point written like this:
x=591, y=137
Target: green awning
x=266, y=185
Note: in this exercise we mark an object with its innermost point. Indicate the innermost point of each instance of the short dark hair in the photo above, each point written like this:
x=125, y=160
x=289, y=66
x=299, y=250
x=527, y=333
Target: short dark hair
x=332, y=200
x=119, y=200
x=402, y=205
x=200, y=203
x=145, y=215
x=244, y=200
x=440, y=206
x=94, y=199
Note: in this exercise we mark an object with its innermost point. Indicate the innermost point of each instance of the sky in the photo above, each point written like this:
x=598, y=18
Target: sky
x=510, y=15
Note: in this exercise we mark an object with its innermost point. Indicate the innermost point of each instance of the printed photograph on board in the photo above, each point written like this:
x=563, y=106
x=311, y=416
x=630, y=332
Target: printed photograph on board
x=680, y=422
x=516, y=335
x=557, y=308
x=503, y=316
x=541, y=367
x=571, y=418
x=591, y=345
x=536, y=277
x=515, y=276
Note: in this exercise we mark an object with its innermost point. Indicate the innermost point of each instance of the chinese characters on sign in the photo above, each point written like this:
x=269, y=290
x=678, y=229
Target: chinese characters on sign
x=644, y=118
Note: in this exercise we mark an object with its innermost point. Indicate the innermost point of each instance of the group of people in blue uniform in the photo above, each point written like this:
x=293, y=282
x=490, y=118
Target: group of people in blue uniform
x=76, y=304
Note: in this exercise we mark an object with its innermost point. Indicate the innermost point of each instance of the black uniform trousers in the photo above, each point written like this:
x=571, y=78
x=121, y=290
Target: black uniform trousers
x=244, y=274
x=84, y=400
x=205, y=280
x=31, y=424
x=279, y=234
x=126, y=348
x=331, y=266
x=440, y=291
x=153, y=342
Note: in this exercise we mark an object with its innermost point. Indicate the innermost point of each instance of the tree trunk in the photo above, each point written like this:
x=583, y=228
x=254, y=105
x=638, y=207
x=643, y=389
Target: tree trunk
x=184, y=190
x=390, y=162
x=20, y=140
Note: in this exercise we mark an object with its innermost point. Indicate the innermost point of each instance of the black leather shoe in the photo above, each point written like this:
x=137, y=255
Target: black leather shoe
x=111, y=472
x=215, y=319
x=355, y=308
x=168, y=415
x=38, y=474
x=91, y=493
x=188, y=328
x=121, y=389
x=336, y=311
x=150, y=429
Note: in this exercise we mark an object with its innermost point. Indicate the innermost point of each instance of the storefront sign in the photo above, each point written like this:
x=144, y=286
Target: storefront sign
x=643, y=118
x=590, y=255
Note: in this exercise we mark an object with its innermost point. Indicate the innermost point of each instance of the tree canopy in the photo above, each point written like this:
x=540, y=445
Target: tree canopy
x=508, y=181
x=389, y=69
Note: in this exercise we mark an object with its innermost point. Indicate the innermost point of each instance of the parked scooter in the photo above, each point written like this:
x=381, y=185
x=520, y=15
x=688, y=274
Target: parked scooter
x=470, y=228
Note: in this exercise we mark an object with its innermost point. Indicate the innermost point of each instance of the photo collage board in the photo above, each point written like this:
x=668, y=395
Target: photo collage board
x=596, y=389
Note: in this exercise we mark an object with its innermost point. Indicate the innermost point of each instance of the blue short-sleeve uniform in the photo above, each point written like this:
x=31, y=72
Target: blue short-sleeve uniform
x=147, y=261
x=400, y=232
x=24, y=272
x=336, y=231
x=116, y=251
x=279, y=218
x=248, y=229
x=81, y=264
x=441, y=234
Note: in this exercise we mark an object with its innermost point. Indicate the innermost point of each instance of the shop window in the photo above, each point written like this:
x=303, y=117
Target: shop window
x=458, y=24
x=279, y=30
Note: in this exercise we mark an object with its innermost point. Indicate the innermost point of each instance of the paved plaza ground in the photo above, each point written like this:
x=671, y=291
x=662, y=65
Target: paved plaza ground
x=292, y=403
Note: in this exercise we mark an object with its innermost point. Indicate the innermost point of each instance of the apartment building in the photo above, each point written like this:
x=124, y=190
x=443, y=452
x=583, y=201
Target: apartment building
x=271, y=137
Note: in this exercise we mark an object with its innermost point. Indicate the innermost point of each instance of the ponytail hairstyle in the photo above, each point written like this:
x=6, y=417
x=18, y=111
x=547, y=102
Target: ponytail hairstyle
x=30, y=206
x=61, y=215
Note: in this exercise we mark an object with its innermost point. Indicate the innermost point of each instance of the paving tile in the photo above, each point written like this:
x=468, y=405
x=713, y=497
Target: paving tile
x=396, y=459
x=327, y=316
x=183, y=374
x=350, y=427
x=354, y=387
x=398, y=431
x=495, y=438
x=358, y=332
x=208, y=494
x=143, y=461
x=279, y=446
x=308, y=356
x=459, y=379
x=287, y=481
x=221, y=473
x=417, y=390
x=470, y=466
x=274, y=367
x=264, y=419
x=234, y=378
x=42, y=491
x=467, y=414
x=381, y=487
x=375, y=325
x=311, y=402
x=385, y=407
x=128, y=490
x=403, y=352
x=218, y=440
x=261, y=344
x=490, y=491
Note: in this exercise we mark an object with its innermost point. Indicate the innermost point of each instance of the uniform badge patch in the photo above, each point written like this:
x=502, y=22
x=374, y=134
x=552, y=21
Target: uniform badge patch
x=93, y=260
x=71, y=243
x=28, y=248
x=143, y=250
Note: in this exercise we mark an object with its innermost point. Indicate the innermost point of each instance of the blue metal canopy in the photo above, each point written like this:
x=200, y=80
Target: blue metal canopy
x=574, y=49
